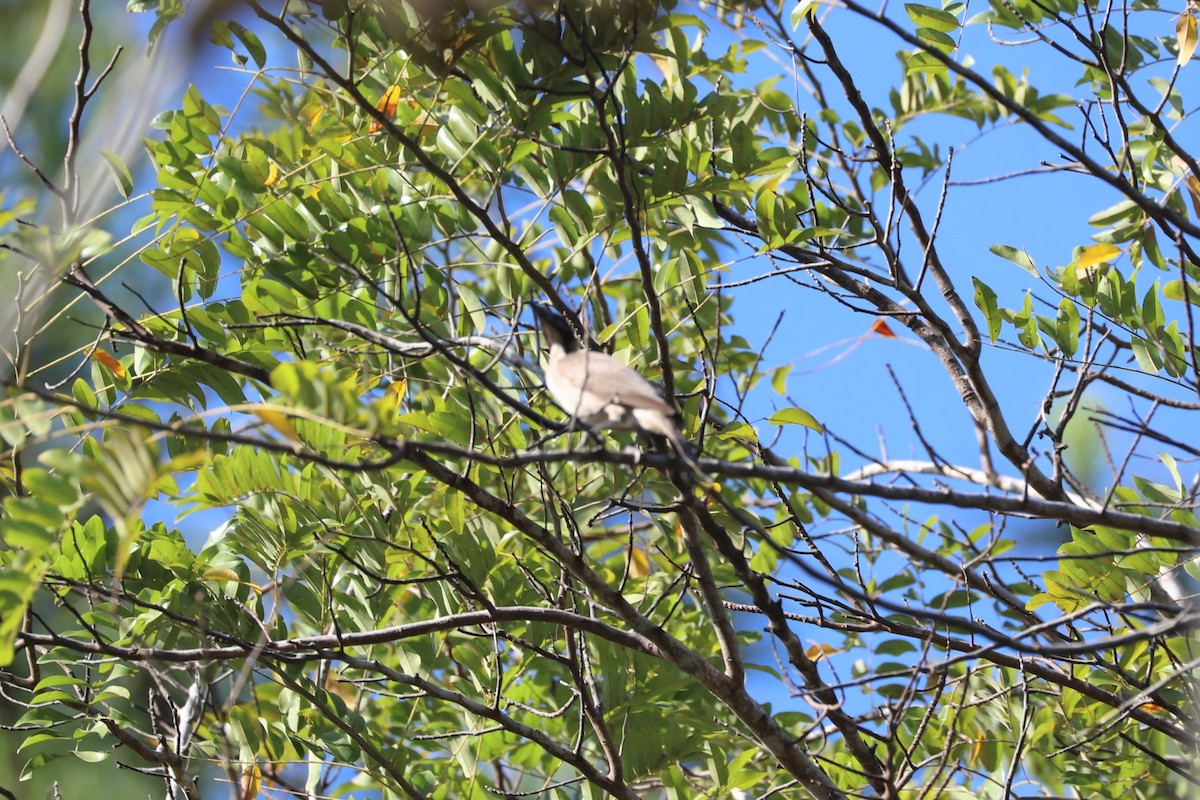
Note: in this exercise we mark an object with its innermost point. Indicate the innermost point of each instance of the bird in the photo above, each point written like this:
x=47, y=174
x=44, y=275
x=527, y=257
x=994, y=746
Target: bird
x=600, y=392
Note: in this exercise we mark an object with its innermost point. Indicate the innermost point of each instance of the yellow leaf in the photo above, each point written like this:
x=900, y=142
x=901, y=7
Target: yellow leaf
x=1185, y=34
x=391, y=400
x=221, y=574
x=667, y=67
x=975, y=750
x=639, y=564
x=1095, y=254
x=251, y=782
x=190, y=460
x=1193, y=187
x=310, y=113
x=106, y=359
x=819, y=651
x=277, y=420
x=272, y=174
x=226, y=574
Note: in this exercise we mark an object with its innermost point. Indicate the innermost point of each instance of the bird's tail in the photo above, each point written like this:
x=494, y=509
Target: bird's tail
x=659, y=423
x=686, y=453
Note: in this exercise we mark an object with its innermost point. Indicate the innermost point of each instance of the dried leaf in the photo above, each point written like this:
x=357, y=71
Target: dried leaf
x=1185, y=34
x=251, y=782
x=880, y=326
x=818, y=651
x=425, y=122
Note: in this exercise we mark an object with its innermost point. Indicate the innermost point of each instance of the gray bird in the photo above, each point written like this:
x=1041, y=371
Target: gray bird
x=598, y=391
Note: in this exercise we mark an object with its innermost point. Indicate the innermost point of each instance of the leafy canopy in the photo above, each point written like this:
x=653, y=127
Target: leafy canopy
x=325, y=348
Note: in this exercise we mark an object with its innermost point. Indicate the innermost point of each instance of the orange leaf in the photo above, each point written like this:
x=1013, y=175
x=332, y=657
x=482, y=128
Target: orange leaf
x=387, y=105
x=106, y=359
x=880, y=326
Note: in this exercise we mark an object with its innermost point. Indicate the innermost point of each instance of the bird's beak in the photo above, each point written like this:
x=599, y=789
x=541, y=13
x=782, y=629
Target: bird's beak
x=553, y=326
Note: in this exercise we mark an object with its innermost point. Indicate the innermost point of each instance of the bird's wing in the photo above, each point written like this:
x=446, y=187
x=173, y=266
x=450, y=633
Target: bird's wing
x=606, y=377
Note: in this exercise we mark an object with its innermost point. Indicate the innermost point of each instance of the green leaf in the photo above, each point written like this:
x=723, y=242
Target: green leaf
x=795, y=416
x=91, y=756
x=804, y=8
x=1174, y=290
x=253, y=44
x=1152, y=312
x=81, y=390
x=1018, y=257
x=923, y=62
x=805, y=234
x=765, y=561
x=779, y=377
x=1146, y=355
x=120, y=172
x=739, y=430
x=985, y=300
x=1027, y=324
x=1067, y=328
x=936, y=40
x=26, y=535
x=1123, y=211
x=934, y=18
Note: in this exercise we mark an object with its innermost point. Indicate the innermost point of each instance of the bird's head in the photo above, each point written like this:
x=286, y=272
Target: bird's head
x=556, y=329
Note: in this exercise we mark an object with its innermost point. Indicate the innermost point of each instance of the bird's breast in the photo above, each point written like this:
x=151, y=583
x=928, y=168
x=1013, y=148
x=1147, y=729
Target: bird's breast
x=590, y=405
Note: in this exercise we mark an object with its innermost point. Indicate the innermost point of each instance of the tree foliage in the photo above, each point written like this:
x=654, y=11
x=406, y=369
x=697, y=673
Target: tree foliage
x=315, y=339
